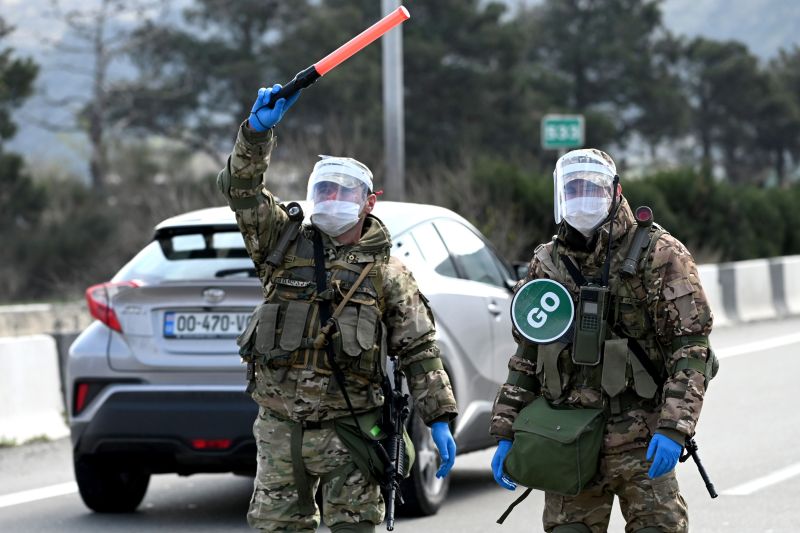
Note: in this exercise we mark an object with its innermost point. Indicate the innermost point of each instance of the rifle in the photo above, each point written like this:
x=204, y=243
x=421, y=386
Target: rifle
x=396, y=410
x=392, y=455
x=691, y=451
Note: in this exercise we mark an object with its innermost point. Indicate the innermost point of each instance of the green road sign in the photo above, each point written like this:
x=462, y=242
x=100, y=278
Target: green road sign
x=562, y=131
x=542, y=310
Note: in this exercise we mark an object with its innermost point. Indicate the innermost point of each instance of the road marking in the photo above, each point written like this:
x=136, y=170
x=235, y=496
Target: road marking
x=760, y=346
x=27, y=496
x=763, y=482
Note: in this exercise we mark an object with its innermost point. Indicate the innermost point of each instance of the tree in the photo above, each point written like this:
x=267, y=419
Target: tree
x=723, y=85
x=604, y=58
x=198, y=79
x=100, y=34
x=21, y=202
x=779, y=112
x=16, y=83
x=662, y=111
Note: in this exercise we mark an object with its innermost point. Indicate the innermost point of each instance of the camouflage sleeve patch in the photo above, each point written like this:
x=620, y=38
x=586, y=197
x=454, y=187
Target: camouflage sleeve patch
x=510, y=400
x=679, y=307
x=411, y=335
x=683, y=400
x=408, y=317
x=433, y=395
x=259, y=217
x=677, y=302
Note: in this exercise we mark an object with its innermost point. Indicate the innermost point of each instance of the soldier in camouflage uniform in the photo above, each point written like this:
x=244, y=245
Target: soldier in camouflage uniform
x=664, y=309
x=299, y=399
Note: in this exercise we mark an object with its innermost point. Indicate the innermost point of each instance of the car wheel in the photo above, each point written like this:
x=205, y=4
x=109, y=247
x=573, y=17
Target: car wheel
x=107, y=488
x=423, y=492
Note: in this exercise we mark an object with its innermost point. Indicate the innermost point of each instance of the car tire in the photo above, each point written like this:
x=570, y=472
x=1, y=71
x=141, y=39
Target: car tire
x=423, y=492
x=107, y=488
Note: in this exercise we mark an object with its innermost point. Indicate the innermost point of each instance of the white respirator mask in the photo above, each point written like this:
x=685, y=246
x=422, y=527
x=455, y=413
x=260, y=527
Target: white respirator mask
x=585, y=214
x=338, y=188
x=335, y=217
x=583, y=187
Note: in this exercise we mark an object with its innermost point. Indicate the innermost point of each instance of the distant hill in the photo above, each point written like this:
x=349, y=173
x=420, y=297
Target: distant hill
x=765, y=26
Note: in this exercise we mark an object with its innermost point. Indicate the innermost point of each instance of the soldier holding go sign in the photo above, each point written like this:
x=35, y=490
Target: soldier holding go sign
x=601, y=405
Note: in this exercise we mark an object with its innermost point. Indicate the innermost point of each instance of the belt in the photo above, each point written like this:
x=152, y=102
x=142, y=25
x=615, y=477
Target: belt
x=318, y=424
x=305, y=424
x=626, y=401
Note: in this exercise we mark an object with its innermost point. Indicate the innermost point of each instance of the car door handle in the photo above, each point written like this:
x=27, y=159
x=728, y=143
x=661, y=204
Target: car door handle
x=494, y=309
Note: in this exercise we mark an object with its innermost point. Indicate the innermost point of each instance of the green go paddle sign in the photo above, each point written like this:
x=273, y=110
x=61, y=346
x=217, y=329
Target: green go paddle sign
x=542, y=310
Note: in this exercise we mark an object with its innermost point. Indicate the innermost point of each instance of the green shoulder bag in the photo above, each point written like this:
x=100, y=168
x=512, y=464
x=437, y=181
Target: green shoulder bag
x=359, y=441
x=555, y=449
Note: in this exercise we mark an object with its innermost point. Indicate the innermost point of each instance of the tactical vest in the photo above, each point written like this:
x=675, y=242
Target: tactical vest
x=282, y=331
x=620, y=375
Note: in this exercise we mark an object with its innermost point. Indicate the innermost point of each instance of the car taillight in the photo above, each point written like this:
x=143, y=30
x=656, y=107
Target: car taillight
x=211, y=444
x=99, y=296
x=84, y=393
x=80, y=397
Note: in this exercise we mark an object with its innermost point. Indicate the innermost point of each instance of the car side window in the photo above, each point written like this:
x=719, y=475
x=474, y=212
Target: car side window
x=433, y=250
x=406, y=249
x=475, y=260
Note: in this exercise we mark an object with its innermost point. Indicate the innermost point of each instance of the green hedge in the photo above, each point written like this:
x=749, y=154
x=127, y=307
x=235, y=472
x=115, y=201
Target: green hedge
x=718, y=222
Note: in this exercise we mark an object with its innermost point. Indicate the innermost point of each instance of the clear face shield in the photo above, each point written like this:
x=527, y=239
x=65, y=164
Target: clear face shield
x=338, y=188
x=583, y=188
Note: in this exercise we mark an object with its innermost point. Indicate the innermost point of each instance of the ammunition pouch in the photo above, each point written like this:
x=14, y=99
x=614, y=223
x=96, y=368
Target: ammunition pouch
x=356, y=339
x=246, y=338
x=555, y=449
x=361, y=441
x=617, y=360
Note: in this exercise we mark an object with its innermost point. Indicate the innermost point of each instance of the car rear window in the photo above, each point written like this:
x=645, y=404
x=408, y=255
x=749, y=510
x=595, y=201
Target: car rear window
x=187, y=253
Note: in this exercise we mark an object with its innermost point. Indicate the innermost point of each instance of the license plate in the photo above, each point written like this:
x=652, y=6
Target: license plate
x=203, y=324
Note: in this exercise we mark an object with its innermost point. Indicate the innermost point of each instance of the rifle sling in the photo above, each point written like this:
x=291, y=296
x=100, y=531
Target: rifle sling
x=324, y=316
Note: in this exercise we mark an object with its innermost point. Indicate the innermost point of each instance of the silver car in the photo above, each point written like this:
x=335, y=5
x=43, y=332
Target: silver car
x=155, y=384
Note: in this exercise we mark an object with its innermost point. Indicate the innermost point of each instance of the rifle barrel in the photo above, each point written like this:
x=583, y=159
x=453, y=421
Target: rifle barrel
x=691, y=448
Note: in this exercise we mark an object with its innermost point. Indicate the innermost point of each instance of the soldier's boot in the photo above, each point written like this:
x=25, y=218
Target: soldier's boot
x=361, y=527
x=576, y=527
x=648, y=529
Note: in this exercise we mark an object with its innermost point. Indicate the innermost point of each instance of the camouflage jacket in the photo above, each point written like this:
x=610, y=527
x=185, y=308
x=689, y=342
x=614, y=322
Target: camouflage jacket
x=675, y=308
x=307, y=391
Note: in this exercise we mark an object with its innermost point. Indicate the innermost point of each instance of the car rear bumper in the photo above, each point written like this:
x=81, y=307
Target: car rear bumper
x=158, y=429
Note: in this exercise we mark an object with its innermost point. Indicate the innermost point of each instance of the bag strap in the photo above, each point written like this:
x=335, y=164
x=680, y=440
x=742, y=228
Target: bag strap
x=574, y=273
x=514, y=504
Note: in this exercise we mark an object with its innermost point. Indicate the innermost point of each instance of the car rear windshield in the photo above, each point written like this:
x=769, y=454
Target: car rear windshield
x=189, y=253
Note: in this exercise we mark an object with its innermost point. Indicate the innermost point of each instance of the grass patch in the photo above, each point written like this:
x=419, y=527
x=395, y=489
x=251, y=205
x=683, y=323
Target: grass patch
x=7, y=443
x=37, y=439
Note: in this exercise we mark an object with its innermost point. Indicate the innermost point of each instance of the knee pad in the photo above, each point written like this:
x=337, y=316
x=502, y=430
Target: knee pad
x=361, y=527
x=576, y=527
x=648, y=529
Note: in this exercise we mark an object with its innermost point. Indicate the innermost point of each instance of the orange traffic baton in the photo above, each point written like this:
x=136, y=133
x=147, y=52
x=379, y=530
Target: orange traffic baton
x=306, y=77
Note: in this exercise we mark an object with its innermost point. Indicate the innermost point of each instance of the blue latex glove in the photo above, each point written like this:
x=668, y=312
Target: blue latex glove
x=497, y=465
x=263, y=118
x=447, y=447
x=665, y=453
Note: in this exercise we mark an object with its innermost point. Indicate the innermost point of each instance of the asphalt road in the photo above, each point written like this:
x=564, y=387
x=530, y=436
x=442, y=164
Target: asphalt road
x=749, y=438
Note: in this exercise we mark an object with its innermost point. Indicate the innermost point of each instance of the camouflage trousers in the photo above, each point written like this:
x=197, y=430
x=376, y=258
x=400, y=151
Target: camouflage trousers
x=644, y=502
x=347, y=497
